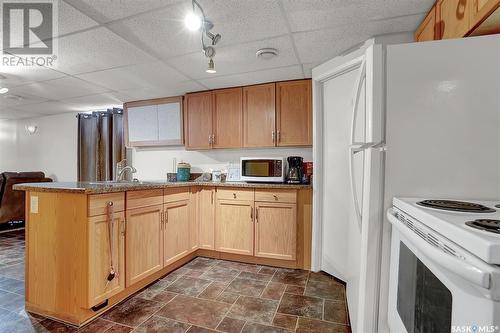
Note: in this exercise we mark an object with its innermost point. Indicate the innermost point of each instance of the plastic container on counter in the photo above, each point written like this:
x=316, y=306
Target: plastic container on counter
x=183, y=172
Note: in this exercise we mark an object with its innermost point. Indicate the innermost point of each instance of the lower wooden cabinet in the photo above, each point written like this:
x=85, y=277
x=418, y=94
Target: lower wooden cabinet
x=206, y=218
x=100, y=230
x=143, y=243
x=234, y=226
x=275, y=230
x=175, y=231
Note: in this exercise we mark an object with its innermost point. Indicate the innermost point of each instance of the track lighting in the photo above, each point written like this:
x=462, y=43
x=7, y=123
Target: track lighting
x=211, y=67
x=195, y=22
x=4, y=90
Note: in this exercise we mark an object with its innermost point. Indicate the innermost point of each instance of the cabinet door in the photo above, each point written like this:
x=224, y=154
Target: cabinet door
x=198, y=129
x=143, y=243
x=228, y=118
x=194, y=227
x=427, y=29
x=175, y=231
x=485, y=17
x=207, y=218
x=275, y=230
x=142, y=124
x=234, y=226
x=453, y=18
x=259, y=116
x=294, y=113
x=170, y=130
x=100, y=254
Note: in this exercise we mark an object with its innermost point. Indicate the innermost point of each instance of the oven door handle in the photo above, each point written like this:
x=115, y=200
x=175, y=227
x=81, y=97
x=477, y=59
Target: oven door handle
x=480, y=276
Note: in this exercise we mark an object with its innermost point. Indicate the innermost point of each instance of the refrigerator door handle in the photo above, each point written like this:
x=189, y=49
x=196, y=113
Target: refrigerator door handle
x=352, y=152
x=355, y=102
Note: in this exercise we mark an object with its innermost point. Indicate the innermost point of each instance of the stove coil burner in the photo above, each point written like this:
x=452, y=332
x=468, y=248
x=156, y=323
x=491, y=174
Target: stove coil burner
x=457, y=206
x=485, y=225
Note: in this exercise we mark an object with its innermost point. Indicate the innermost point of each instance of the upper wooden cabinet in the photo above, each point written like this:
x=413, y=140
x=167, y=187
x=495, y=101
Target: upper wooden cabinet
x=227, y=118
x=155, y=122
x=294, y=113
x=259, y=115
x=198, y=120
x=264, y=115
x=460, y=18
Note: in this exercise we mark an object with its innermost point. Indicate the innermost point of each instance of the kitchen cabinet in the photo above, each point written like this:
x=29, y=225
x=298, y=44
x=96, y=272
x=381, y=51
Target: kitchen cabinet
x=155, y=122
x=234, y=226
x=227, y=118
x=198, y=120
x=175, y=230
x=99, y=256
x=428, y=29
x=485, y=17
x=294, y=113
x=143, y=242
x=453, y=17
x=275, y=230
x=259, y=115
x=206, y=214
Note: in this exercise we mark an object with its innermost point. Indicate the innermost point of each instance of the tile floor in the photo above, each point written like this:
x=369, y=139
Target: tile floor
x=205, y=295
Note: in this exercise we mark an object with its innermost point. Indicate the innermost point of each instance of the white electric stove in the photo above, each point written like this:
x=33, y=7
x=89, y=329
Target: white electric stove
x=445, y=273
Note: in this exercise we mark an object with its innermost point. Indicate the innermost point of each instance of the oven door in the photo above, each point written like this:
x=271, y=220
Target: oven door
x=426, y=297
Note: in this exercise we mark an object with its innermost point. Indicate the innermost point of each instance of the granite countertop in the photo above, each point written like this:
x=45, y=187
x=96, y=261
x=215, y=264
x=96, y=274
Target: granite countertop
x=108, y=187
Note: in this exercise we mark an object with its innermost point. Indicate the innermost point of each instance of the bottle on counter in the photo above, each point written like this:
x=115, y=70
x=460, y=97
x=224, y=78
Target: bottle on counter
x=183, y=172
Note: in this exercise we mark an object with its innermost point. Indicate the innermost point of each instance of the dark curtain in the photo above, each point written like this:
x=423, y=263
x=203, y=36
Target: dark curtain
x=100, y=144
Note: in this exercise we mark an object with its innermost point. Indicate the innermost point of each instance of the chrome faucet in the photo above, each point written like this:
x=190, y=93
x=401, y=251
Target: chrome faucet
x=121, y=168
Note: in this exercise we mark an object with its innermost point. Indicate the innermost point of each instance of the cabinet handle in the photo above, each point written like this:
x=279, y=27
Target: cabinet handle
x=256, y=215
x=212, y=197
x=278, y=136
x=251, y=213
x=209, y=139
x=275, y=197
x=213, y=138
x=234, y=195
x=124, y=227
x=165, y=217
x=273, y=135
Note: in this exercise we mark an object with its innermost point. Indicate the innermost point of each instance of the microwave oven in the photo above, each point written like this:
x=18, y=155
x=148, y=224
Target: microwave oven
x=262, y=169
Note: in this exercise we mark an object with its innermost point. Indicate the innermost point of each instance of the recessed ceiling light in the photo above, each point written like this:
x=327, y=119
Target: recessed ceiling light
x=192, y=21
x=4, y=90
x=266, y=53
x=211, y=67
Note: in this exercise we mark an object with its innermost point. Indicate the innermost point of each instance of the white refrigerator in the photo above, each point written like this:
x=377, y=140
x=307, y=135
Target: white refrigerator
x=414, y=120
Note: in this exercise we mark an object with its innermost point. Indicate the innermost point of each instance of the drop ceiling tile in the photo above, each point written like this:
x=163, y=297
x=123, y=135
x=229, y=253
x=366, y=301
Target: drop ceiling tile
x=269, y=75
x=314, y=15
x=238, y=59
x=44, y=108
x=58, y=89
x=151, y=75
x=93, y=102
x=71, y=19
x=15, y=75
x=14, y=98
x=146, y=93
x=117, y=9
x=96, y=49
x=8, y=113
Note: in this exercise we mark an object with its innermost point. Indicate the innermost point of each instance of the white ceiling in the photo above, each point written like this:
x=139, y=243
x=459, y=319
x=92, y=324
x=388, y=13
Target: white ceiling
x=113, y=51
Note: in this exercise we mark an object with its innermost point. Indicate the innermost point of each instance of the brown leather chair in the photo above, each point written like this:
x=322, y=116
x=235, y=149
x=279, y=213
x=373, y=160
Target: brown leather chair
x=12, y=202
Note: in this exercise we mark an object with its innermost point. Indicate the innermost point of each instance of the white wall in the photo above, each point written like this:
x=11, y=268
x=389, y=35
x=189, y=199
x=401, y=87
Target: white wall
x=8, y=148
x=53, y=150
x=154, y=163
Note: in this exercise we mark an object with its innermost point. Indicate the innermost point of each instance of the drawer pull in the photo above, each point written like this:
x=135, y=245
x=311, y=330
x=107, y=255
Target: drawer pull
x=234, y=195
x=275, y=197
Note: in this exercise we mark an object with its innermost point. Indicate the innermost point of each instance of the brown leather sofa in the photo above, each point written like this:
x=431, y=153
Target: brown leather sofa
x=12, y=202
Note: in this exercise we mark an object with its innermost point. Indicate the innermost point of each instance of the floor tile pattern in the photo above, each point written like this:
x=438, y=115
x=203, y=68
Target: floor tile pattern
x=205, y=295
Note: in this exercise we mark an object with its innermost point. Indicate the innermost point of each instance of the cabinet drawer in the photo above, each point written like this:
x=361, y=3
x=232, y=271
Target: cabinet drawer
x=276, y=196
x=98, y=203
x=235, y=194
x=138, y=199
x=176, y=194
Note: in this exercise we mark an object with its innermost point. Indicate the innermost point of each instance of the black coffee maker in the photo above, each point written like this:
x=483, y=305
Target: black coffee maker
x=295, y=171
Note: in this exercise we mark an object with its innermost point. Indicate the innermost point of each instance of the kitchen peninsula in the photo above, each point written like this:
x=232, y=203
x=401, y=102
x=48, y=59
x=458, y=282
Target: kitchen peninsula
x=91, y=245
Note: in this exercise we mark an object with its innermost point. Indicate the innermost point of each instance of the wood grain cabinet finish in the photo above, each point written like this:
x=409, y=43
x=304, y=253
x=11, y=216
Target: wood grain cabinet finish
x=259, y=115
x=234, y=226
x=294, y=113
x=99, y=257
x=175, y=230
x=227, y=118
x=275, y=230
x=98, y=203
x=143, y=242
x=428, y=29
x=206, y=218
x=453, y=17
x=198, y=120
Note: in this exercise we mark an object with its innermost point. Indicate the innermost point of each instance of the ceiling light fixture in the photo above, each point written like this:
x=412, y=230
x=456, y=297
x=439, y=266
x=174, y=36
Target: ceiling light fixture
x=4, y=90
x=266, y=53
x=194, y=22
x=31, y=129
x=211, y=67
